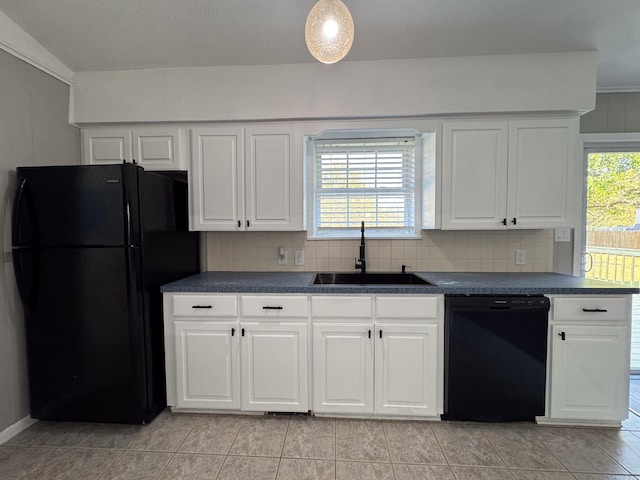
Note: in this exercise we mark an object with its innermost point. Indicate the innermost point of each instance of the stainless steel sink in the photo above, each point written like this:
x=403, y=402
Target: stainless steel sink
x=369, y=279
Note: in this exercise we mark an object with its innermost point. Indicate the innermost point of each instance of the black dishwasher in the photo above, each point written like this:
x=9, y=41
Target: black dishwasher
x=495, y=357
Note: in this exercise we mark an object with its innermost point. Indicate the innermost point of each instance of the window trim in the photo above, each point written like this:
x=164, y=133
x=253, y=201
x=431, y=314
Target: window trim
x=371, y=232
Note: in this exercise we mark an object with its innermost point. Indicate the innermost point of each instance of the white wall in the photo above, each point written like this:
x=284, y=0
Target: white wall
x=33, y=131
x=500, y=83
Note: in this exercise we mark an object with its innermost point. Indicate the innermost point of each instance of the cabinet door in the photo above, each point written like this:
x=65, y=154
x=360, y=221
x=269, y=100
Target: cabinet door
x=343, y=368
x=589, y=372
x=406, y=366
x=207, y=366
x=216, y=186
x=541, y=174
x=272, y=179
x=157, y=148
x=102, y=146
x=274, y=367
x=474, y=175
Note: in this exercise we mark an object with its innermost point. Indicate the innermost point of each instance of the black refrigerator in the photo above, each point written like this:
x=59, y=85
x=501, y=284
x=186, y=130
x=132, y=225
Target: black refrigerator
x=92, y=245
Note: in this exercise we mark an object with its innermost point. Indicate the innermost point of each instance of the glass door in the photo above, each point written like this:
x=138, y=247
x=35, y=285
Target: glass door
x=611, y=240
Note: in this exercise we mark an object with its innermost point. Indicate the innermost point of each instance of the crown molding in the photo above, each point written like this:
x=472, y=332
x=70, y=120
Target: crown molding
x=17, y=42
x=618, y=90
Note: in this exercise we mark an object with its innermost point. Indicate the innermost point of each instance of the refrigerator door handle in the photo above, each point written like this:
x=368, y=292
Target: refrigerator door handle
x=17, y=208
x=20, y=284
x=127, y=219
x=26, y=292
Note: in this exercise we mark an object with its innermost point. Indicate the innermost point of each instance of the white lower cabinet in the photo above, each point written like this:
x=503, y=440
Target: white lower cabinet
x=589, y=379
x=588, y=364
x=215, y=361
x=274, y=367
x=387, y=367
x=207, y=365
x=406, y=363
x=343, y=368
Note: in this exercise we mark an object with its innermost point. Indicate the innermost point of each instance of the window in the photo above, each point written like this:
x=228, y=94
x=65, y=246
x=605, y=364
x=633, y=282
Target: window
x=370, y=179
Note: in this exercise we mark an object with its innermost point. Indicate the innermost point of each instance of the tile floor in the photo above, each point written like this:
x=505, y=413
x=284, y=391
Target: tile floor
x=211, y=447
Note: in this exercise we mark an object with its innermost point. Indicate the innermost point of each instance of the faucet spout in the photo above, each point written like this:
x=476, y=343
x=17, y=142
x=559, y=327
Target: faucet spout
x=361, y=263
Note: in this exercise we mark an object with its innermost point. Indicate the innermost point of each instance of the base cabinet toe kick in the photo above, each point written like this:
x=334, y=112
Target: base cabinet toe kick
x=386, y=356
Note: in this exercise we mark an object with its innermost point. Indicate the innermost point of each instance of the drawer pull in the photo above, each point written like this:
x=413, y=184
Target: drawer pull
x=563, y=336
x=595, y=310
x=267, y=307
x=202, y=306
x=233, y=331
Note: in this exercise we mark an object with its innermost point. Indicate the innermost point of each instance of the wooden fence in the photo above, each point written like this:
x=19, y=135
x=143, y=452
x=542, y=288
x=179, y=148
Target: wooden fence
x=615, y=239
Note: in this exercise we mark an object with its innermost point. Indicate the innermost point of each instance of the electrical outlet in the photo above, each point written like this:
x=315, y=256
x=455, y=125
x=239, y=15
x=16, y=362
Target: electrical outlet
x=521, y=257
x=299, y=257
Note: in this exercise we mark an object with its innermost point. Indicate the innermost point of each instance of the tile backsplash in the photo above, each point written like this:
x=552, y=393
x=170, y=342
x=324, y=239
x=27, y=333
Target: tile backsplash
x=472, y=251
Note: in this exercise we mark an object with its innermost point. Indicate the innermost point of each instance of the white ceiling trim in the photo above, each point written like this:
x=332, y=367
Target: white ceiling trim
x=619, y=90
x=19, y=43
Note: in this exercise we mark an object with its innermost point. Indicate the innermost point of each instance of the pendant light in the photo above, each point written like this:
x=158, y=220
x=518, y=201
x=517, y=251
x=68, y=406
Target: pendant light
x=329, y=31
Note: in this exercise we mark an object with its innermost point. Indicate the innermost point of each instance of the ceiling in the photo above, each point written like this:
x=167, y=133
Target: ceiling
x=94, y=35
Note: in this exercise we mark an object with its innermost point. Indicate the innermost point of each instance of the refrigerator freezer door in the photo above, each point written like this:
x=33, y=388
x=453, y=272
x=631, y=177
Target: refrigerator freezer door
x=75, y=205
x=85, y=334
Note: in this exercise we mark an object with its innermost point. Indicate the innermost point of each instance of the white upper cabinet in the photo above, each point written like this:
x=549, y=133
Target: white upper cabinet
x=154, y=148
x=516, y=174
x=216, y=178
x=541, y=191
x=106, y=145
x=474, y=175
x=245, y=178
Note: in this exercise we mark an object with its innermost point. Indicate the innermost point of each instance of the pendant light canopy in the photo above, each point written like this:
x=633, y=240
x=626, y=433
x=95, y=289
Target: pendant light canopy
x=329, y=31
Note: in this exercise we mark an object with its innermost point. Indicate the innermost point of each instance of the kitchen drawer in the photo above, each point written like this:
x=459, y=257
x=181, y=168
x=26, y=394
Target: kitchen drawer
x=205, y=306
x=334, y=307
x=591, y=308
x=273, y=306
x=408, y=307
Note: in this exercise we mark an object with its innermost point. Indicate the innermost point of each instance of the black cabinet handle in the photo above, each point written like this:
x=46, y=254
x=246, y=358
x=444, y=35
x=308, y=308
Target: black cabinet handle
x=239, y=223
x=562, y=336
x=369, y=333
x=233, y=331
x=248, y=223
x=595, y=310
x=242, y=332
x=380, y=333
x=514, y=221
x=202, y=306
x=267, y=307
x=504, y=221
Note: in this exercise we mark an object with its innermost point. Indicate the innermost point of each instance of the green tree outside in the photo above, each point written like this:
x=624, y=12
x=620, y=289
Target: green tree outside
x=613, y=189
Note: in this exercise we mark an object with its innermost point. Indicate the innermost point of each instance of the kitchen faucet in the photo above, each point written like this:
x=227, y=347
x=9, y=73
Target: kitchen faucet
x=361, y=263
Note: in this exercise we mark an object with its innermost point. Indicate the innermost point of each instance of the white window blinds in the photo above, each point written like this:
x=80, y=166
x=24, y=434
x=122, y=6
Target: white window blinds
x=371, y=180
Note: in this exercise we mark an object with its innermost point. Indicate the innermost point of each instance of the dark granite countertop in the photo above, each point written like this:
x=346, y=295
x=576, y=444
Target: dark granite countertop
x=461, y=283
